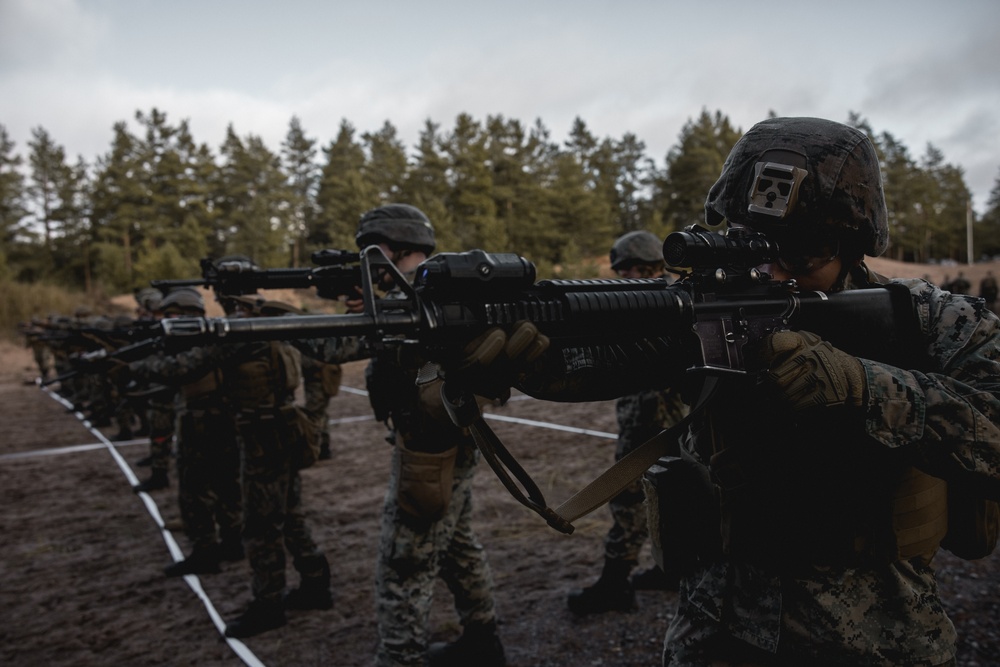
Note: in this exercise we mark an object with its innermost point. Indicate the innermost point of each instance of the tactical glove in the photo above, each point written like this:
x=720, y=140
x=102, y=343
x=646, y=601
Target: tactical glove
x=811, y=373
x=494, y=361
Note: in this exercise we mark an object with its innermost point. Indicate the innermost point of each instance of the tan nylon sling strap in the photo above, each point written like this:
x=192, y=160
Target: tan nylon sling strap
x=465, y=412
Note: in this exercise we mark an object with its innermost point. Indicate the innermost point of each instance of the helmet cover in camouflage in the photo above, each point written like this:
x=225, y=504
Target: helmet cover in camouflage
x=639, y=247
x=183, y=300
x=399, y=224
x=248, y=303
x=840, y=183
x=235, y=263
x=148, y=298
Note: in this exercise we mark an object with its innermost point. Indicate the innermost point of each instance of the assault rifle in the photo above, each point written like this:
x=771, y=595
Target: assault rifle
x=335, y=275
x=100, y=360
x=721, y=304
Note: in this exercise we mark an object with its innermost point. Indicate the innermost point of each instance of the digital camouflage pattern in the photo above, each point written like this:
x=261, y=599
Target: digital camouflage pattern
x=256, y=386
x=208, y=458
x=161, y=415
x=414, y=553
x=865, y=611
x=640, y=417
x=838, y=188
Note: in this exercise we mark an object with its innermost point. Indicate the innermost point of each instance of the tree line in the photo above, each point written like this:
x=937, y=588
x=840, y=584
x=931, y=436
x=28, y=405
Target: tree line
x=158, y=200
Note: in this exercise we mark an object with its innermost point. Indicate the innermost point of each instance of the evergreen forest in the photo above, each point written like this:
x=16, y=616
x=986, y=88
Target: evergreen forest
x=158, y=200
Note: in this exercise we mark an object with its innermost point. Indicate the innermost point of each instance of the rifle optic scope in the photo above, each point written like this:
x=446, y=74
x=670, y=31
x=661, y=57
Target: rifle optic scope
x=476, y=271
x=738, y=248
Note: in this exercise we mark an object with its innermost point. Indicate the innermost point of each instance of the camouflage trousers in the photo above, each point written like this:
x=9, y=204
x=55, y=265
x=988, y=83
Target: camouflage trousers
x=413, y=553
x=160, y=417
x=629, y=529
x=208, y=476
x=316, y=403
x=273, y=520
x=640, y=417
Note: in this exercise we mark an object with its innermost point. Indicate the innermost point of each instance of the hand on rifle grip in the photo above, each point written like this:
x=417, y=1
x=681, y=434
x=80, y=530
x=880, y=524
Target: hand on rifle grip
x=810, y=372
x=494, y=361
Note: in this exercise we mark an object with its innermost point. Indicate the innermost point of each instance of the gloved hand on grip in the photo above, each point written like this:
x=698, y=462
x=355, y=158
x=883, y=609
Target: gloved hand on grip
x=493, y=362
x=810, y=372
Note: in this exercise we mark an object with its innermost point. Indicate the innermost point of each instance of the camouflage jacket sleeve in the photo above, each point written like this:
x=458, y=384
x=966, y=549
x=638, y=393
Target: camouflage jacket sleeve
x=335, y=350
x=190, y=364
x=948, y=412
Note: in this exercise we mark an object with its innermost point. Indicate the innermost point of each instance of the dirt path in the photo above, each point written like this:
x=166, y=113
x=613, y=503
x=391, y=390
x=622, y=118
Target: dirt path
x=81, y=558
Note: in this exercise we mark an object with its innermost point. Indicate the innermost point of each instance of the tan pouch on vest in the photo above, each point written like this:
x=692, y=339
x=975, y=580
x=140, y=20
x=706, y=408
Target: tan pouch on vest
x=305, y=437
x=330, y=376
x=425, y=481
x=919, y=515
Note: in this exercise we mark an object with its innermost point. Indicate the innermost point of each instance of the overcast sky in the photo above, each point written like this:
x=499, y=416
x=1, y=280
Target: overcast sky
x=924, y=71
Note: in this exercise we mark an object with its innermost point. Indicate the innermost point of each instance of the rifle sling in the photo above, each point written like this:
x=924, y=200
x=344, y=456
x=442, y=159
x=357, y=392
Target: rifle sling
x=465, y=411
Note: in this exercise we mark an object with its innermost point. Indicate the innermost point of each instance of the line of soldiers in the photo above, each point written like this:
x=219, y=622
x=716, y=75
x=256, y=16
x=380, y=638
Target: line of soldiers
x=821, y=485
x=58, y=343
x=228, y=415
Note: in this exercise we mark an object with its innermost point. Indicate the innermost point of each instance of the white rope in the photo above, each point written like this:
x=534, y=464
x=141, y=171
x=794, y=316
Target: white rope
x=238, y=647
x=177, y=554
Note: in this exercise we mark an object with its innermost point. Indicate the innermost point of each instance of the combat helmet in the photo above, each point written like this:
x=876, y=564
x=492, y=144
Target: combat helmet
x=639, y=247
x=183, y=301
x=148, y=298
x=794, y=175
x=399, y=225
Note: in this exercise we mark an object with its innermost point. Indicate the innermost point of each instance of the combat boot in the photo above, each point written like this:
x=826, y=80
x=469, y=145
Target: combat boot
x=203, y=560
x=655, y=579
x=259, y=617
x=611, y=592
x=312, y=593
x=324, y=447
x=479, y=645
x=157, y=480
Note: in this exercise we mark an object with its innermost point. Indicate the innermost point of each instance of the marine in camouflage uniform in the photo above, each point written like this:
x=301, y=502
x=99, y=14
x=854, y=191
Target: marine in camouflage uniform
x=159, y=404
x=804, y=554
x=257, y=381
x=426, y=531
x=208, y=457
x=320, y=383
x=635, y=255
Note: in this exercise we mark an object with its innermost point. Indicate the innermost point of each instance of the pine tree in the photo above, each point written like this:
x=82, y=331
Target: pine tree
x=12, y=195
x=298, y=154
x=344, y=193
x=386, y=166
x=692, y=167
x=988, y=227
x=253, y=200
x=426, y=186
x=470, y=200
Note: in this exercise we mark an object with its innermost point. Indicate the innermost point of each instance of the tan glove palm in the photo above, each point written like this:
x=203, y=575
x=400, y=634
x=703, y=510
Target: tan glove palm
x=493, y=362
x=810, y=372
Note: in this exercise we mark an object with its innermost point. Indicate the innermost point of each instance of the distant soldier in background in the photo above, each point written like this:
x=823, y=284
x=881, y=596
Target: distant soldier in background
x=35, y=338
x=641, y=416
x=321, y=382
x=960, y=285
x=159, y=402
x=208, y=459
x=988, y=290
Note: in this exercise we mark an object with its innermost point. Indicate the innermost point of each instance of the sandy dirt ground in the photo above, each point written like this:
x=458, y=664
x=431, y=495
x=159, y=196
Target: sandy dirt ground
x=82, y=557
